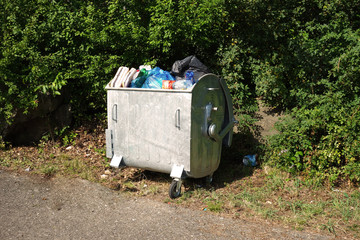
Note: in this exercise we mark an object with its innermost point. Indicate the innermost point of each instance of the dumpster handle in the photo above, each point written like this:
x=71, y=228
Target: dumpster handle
x=219, y=136
x=114, y=112
x=213, y=89
x=177, y=118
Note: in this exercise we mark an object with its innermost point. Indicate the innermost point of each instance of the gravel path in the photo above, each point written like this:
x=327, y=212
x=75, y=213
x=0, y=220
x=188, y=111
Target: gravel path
x=60, y=208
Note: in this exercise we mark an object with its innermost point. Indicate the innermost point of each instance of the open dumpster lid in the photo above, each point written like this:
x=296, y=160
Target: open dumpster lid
x=229, y=119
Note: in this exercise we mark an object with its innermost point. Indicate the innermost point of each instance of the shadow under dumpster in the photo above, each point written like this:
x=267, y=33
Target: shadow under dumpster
x=231, y=166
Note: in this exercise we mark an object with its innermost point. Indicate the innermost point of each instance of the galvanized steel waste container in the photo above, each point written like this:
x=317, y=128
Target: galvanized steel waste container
x=180, y=132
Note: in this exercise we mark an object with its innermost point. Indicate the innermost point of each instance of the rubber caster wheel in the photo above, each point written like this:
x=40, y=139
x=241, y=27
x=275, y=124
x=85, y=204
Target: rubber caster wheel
x=175, y=189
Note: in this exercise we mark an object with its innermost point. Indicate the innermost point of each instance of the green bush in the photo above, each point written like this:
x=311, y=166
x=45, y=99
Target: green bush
x=322, y=141
x=322, y=89
x=236, y=66
x=47, y=45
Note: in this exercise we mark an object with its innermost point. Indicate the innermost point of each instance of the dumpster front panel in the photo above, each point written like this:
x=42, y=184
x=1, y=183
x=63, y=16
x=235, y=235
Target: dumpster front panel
x=150, y=129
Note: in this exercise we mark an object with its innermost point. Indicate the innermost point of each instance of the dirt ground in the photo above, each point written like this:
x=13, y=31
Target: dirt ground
x=267, y=118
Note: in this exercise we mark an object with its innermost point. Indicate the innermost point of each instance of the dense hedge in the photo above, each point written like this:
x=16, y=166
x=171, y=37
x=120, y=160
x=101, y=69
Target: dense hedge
x=302, y=56
x=316, y=74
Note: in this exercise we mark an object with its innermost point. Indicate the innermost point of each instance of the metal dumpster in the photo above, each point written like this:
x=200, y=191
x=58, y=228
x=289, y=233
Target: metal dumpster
x=180, y=132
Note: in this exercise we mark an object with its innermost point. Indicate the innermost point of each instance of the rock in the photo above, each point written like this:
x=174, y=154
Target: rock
x=104, y=176
x=108, y=172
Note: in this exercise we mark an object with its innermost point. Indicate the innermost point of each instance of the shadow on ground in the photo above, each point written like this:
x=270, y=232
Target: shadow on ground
x=231, y=166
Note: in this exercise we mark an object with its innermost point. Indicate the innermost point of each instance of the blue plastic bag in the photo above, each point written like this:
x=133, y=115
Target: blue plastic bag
x=155, y=78
x=250, y=160
x=189, y=75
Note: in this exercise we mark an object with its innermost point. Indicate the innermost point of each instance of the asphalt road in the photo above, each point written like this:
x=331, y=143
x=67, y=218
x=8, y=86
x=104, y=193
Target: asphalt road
x=59, y=208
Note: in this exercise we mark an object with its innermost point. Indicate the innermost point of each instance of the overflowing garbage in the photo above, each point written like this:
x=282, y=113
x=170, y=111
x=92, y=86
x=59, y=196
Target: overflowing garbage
x=184, y=75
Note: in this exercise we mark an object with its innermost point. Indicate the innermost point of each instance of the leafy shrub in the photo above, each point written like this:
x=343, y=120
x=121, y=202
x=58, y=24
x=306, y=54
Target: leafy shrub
x=322, y=141
x=318, y=80
x=236, y=67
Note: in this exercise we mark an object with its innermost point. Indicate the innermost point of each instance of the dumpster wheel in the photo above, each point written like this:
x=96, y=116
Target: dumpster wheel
x=175, y=189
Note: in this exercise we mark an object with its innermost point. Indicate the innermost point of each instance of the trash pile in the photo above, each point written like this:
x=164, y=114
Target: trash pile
x=183, y=75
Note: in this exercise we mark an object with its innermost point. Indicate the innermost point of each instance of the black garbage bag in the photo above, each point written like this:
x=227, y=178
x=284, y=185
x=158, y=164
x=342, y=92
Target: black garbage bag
x=190, y=63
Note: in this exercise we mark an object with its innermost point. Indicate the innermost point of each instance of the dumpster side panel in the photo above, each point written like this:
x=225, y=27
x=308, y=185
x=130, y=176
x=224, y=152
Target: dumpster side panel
x=205, y=152
x=152, y=129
